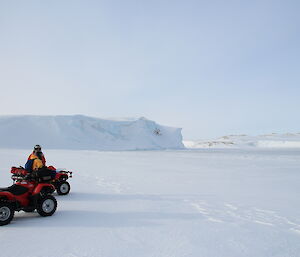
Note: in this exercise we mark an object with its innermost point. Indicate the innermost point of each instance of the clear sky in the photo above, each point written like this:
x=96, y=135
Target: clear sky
x=211, y=67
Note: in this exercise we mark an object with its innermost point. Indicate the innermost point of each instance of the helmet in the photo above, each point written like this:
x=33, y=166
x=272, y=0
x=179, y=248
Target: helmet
x=37, y=148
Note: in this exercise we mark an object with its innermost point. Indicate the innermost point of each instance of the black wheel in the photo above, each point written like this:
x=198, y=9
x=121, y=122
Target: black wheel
x=7, y=213
x=63, y=188
x=46, y=205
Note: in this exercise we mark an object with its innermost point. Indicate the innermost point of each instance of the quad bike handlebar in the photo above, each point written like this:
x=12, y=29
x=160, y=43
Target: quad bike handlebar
x=69, y=173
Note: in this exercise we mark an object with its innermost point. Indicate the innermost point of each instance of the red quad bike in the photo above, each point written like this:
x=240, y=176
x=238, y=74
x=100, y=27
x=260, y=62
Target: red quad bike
x=60, y=181
x=29, y=192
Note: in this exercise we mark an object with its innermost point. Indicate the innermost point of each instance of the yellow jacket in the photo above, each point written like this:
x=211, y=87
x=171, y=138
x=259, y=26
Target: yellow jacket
x=37, y=163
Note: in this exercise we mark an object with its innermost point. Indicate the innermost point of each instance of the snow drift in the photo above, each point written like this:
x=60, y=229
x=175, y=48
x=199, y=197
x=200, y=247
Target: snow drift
x=288, y=140
x=86, y=133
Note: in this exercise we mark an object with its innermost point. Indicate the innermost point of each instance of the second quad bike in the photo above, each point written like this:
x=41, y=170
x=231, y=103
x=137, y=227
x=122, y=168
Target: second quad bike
x=59, y=180
x=29, y=192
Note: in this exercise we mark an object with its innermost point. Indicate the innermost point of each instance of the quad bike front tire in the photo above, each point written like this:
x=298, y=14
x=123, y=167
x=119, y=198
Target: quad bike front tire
x=46, y=205
x=63, y=188
x=7, y=213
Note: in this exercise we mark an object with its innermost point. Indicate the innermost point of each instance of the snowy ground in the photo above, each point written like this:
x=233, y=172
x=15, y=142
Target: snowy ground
x=198, y=203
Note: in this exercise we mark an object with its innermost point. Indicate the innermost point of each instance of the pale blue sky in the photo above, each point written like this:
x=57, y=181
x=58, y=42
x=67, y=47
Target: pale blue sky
x=210, y=67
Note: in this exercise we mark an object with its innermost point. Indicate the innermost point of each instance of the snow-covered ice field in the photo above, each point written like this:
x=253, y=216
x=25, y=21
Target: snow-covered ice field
x=200, y=203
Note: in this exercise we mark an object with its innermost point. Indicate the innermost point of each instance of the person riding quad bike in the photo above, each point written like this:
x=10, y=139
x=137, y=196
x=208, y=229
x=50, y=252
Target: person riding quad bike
x=37, y=161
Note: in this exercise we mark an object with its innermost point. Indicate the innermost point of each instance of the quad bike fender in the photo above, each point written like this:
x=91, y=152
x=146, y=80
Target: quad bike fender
x=7, y=196
x=44, y=188
x=61, y=176
x=19, y=200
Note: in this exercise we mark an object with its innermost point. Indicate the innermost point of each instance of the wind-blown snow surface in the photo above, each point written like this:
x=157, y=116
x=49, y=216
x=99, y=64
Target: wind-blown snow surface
x=82, y=132
x=201, y=203
x=288, y=140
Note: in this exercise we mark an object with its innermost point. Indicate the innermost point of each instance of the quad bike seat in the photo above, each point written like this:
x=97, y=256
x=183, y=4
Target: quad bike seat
x=15, y=189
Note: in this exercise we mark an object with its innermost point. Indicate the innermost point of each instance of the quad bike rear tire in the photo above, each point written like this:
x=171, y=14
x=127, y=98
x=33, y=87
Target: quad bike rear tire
x=63, y=188
x=46, y=205
x=7, y=213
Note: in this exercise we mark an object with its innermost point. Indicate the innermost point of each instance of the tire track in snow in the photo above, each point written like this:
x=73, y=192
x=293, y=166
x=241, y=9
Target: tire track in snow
x=113, y=186
x=226, y=212
x=108, y=185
